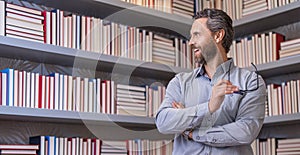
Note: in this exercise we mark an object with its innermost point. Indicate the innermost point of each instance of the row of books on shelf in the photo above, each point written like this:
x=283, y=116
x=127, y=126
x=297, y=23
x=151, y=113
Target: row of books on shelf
x=64, y=92
x=52, y=145
x=90, y=34
x=239, y=9
x=97, y=35
x=259, y=49
x=235, y=9
x=289, y=48
x=263, y=48
x=183, y=8
x=284, y=98
x=275, y=146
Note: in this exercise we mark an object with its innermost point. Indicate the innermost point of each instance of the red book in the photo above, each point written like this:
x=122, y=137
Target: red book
x=279, y=38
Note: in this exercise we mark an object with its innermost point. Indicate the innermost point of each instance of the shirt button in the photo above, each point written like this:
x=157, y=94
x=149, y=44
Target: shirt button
x=198, y=138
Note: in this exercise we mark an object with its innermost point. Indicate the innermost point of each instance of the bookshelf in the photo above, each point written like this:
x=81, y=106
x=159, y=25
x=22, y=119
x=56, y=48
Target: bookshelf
x=267, y=20
x=117, y=11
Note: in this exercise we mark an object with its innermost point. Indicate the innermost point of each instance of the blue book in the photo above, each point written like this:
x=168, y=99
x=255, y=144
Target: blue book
x=10, y=86
x=51, y=144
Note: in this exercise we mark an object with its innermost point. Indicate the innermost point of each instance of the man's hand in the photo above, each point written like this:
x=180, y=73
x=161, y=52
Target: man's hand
x=177, y=105
x=219, y=91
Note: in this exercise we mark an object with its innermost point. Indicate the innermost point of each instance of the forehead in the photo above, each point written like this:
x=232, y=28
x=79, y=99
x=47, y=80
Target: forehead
x=199, y=25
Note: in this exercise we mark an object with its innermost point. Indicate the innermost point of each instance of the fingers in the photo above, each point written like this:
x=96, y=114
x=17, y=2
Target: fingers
x=225, y=87
x=177, y=105
x=231, y=89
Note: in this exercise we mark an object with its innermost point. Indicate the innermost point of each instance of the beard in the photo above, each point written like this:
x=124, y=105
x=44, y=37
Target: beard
x=207, y=53
x=199, y=59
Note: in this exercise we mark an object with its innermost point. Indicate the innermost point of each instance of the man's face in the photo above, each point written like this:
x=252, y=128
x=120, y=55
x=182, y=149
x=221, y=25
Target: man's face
x=201, y=41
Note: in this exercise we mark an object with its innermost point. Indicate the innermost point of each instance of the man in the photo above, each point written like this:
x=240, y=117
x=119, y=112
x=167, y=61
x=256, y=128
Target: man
x=218, y=108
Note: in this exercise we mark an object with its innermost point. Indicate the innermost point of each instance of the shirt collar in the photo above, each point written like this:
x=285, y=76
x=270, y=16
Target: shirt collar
x=221, y=69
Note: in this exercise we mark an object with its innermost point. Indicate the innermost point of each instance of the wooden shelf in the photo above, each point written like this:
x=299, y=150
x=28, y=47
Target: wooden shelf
x=59, y=116
x=282, y=126
x=129, y=126
x=267, y=20
x=282, y=119
x=50, y=54
x=279, y=67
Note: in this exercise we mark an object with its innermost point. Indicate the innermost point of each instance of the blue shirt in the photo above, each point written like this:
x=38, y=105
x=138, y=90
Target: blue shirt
x=228, y=131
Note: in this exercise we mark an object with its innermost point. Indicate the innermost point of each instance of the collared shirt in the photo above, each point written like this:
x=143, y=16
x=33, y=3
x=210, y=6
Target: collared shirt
x=228, y=131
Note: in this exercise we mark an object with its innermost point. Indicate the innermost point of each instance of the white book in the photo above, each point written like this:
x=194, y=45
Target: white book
x=2, y=18
x=21, y=85
x=103, y=97
x=89, y=146
x=24, y=9
x=61, y=146
x=77, y=93
x=4, y=88
x=40, y=17
x=47, y=25
x=51, y=93
x=94, y=95
x=24, y=30
x=65, y=32
x=73, y=31
x=23, y=18
x=61, y=91
x=130, y=87
x=32, y=90
x=130, y=93
x=131, y=104
x=131, y=96
x=24, y=88
x=47, y=92
x=57, y=146
x=28, y=88
x=85, y=95
x=37, y=86
x=70, y=92
x=98, y=95
x=16, y=88
x=24, y=24
x=90, y=96
x=53, y=28
x=25, y=35
x=112, y=95
x=130, y=100
x=108, y=98
x=65, y=93
x=24, y=38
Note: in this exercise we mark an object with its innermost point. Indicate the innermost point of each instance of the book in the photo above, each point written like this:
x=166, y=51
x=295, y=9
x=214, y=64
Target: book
x=10, y=86
x=2, y=18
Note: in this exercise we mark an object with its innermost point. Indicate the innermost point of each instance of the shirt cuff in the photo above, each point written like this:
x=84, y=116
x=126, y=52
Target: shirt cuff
x=202, y=117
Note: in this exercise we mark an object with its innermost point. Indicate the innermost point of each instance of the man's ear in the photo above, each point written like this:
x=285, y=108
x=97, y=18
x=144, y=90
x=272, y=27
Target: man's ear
x=219, y=35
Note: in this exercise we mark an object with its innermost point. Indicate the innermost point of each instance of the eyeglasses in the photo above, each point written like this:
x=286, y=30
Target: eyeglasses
x=242, y=92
